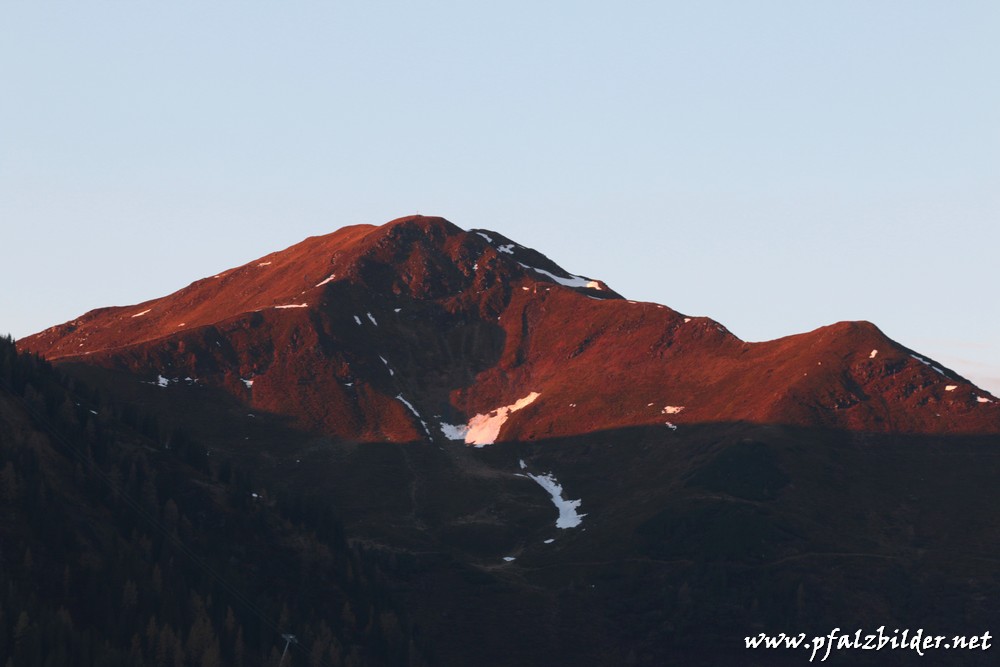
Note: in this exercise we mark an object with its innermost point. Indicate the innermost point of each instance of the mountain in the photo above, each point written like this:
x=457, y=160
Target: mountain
x=655, y=491
x=410, y=330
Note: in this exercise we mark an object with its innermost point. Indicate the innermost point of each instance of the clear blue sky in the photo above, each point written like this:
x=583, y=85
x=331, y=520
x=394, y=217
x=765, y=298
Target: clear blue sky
x=776, y=165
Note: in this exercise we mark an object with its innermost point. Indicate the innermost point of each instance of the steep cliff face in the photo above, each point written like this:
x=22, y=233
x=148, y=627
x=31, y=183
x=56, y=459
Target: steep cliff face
x=418, y=330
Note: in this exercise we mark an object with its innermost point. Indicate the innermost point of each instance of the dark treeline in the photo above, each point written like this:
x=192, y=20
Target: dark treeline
x=123, y=546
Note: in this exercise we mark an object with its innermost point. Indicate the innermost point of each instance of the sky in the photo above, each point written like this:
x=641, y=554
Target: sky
x=776, y=165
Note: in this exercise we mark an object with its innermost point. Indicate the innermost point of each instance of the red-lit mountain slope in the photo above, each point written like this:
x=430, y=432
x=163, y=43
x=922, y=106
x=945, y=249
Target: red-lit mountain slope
x=418, y=330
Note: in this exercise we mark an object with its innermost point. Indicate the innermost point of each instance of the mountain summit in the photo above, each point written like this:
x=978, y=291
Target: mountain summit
x=417, y=330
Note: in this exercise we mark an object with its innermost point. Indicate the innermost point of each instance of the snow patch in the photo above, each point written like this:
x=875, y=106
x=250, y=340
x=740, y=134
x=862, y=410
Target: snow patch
x=162, y=381
x=372, y=318
x=483, y=429
x=568, y=516
x=873, y=354
x=396, y=310
x=326, y=280
x=399, y=397
x=264, y=264
x=358, y=320
x=509, y=559
x=687, y=319
x=550, y=540
x=142, y=313
x=521, y=463
x=927, y=363
x=983, y=399
x=294, y=305
x=508, y=249
x=951, y=387
x=248, y=383
x=488, y=239
x=572, y=281
x=387, y=366
x=672, y=409
x=672, y=427
x=453, y=431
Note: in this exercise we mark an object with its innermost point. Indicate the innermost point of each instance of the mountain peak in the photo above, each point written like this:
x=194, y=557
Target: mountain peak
x=428, y=224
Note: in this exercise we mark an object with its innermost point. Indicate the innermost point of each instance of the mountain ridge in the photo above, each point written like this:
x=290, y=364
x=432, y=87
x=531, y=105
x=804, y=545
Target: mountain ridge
x=403, y=330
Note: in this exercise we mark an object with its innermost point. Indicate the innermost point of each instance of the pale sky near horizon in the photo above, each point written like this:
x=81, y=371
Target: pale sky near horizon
x=776, y=165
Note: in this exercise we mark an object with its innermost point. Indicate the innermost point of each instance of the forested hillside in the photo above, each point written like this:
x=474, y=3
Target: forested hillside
x=123, y=544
